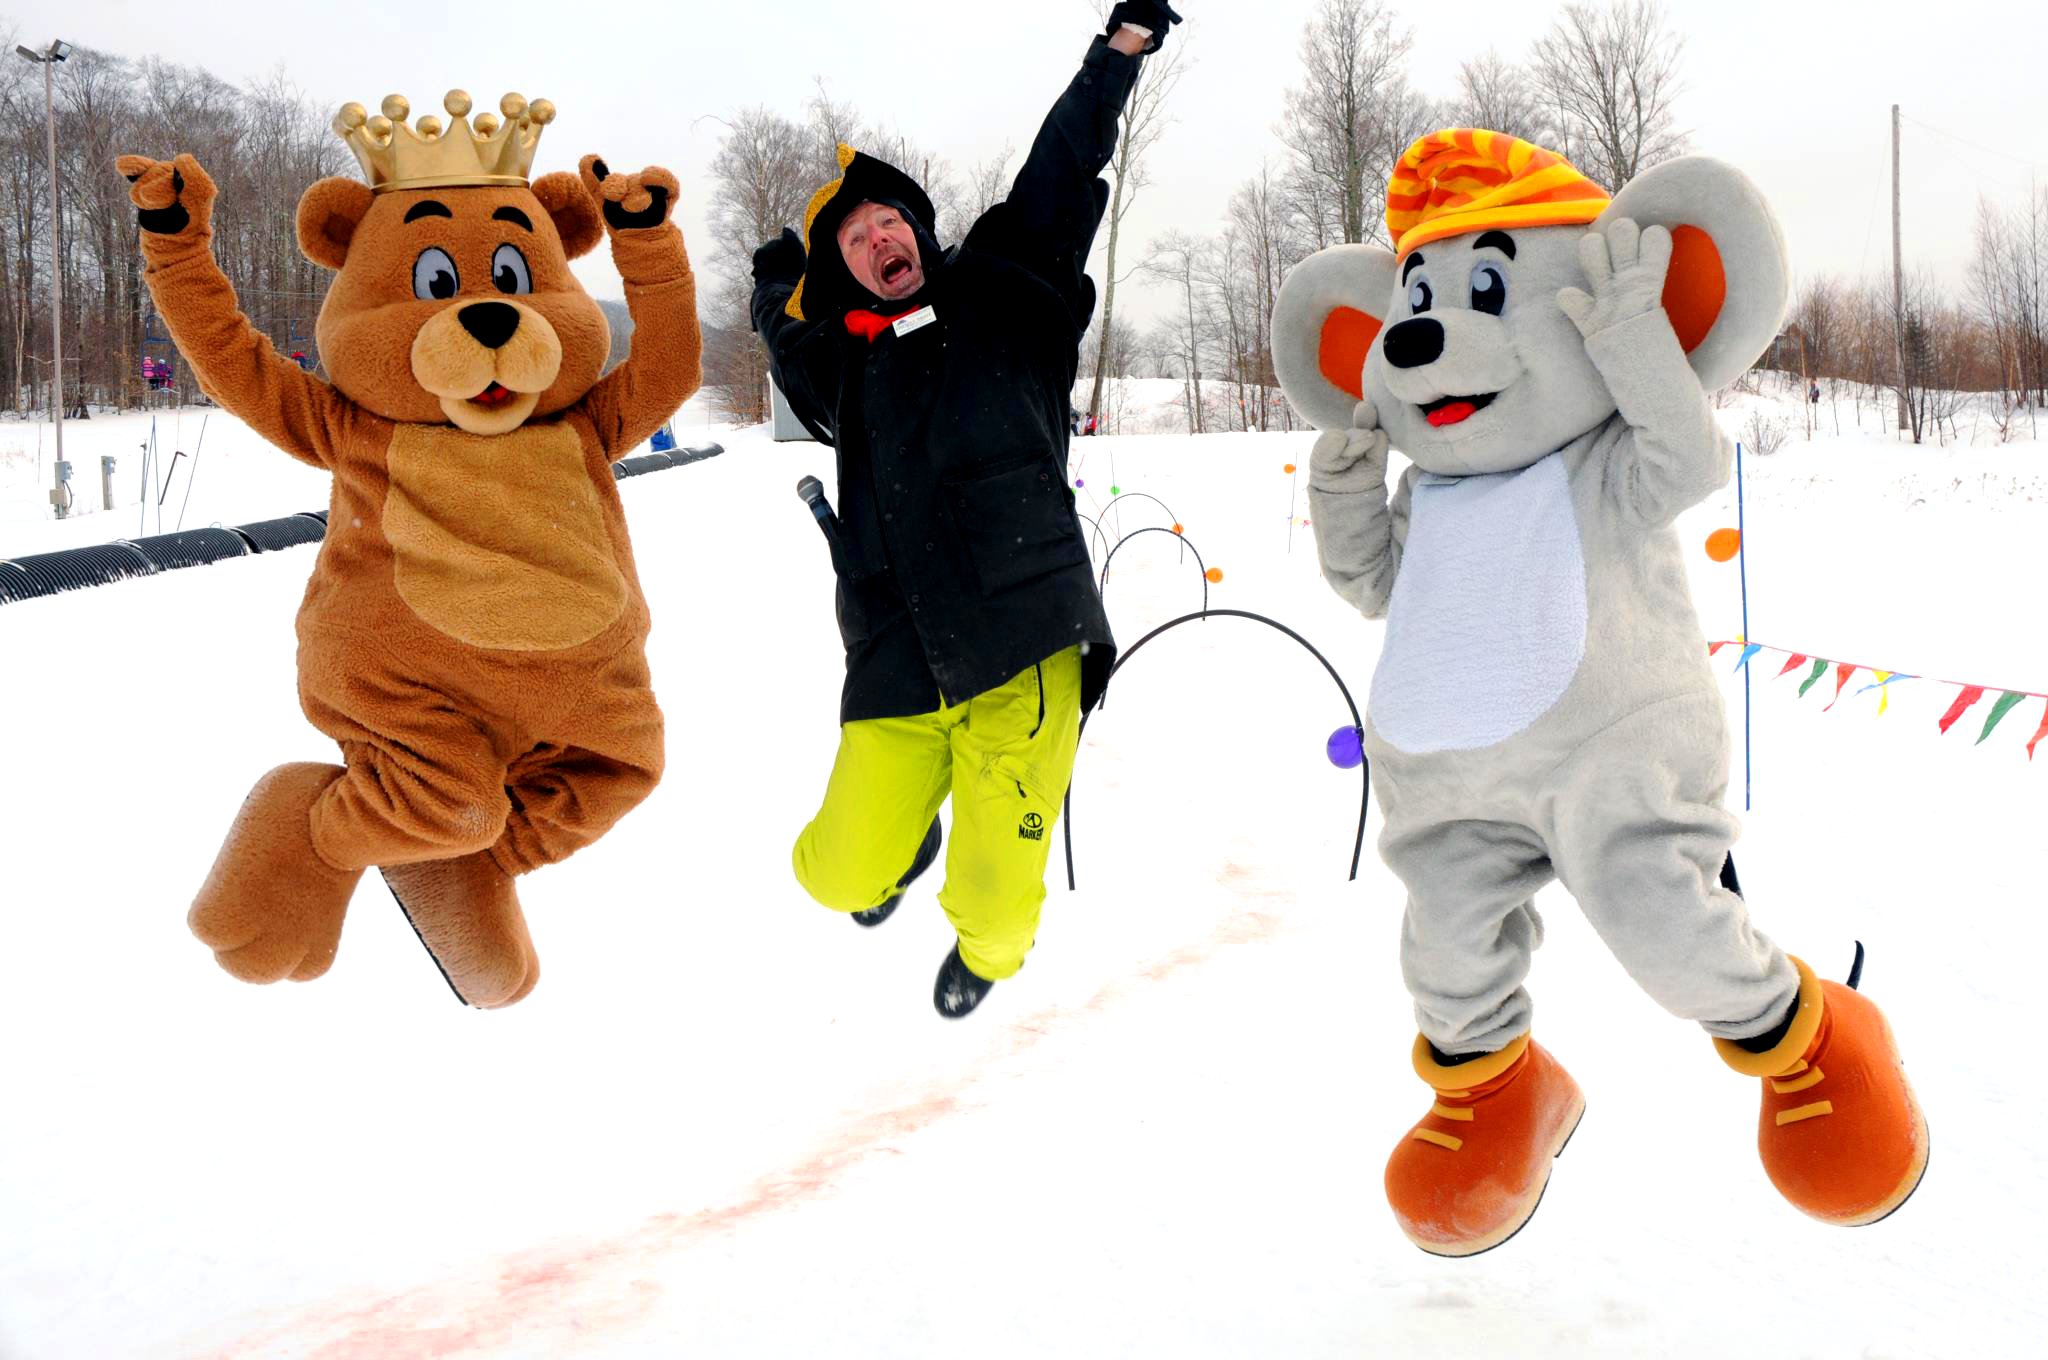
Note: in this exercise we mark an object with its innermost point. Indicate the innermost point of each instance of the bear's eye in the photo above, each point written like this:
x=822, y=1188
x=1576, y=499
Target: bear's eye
x=433, y=275
x=509, y=272
x=1419, y=296
x=1489, y=289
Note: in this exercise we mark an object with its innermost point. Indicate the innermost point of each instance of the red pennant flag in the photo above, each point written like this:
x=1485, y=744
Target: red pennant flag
x=1970, y=695
x=1796, y=660
x=1713, y=647
x=2040, y=733
x=1842, y=674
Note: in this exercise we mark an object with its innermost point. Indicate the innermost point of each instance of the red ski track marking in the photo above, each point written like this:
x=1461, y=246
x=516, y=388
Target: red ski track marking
x=594, y=1286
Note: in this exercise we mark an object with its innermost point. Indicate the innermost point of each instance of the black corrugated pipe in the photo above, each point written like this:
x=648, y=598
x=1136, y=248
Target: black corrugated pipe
x=27, y=578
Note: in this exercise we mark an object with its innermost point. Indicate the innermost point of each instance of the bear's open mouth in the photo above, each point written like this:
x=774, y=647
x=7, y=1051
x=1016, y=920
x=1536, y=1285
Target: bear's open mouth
x=1450, y=410
x=494, y=396
x=894, y=268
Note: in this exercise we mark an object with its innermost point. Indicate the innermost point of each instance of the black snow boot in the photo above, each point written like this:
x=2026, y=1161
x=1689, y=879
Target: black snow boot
x=960, y=988
x=927, y=855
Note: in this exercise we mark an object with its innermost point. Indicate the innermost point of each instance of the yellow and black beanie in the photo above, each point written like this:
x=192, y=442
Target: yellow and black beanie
x=827, y=288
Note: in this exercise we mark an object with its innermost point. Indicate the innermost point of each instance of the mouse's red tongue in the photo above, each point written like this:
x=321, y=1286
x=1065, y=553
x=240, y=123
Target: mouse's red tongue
x=494, y=395
x=1451, y=414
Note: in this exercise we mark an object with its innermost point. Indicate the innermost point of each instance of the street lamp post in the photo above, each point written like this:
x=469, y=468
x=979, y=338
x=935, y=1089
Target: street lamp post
x=60, y=492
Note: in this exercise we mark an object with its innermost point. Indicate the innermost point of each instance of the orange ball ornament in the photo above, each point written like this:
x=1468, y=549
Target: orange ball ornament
x=1289, y=469
x=1214, y=574
x=1723, y=544
x=1176, y=528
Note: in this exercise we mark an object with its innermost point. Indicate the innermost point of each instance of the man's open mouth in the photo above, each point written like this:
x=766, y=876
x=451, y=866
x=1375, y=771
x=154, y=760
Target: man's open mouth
x=494, y=396
x=1450, y=410
x=894, y=268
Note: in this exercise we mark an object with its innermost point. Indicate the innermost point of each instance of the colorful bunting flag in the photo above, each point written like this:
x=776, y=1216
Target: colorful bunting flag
x=1820, y=668
x=1970, y=695
x=1883, y=688
x=1749, y=650
x=1842, y=674
x=2040, y=732
x=1792, y=663
x=1999, y=710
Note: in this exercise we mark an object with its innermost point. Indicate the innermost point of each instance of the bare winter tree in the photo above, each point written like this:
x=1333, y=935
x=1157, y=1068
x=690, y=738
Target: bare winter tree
x=988, y=182
x=1176, y=260
x=1607, y=74
x=762, y=178
x=263, y=144
x=1349, y=119
x=1144, y=123
x=1499, y=96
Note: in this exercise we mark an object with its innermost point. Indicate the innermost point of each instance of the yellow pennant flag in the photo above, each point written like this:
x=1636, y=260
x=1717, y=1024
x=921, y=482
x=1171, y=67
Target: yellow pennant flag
x=1884, y=696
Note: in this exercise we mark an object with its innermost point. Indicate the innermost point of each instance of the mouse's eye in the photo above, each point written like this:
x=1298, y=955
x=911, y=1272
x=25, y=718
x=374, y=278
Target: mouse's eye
x=509, y=272
x=1419, y=296
x=1489, y=289
x=433, y=275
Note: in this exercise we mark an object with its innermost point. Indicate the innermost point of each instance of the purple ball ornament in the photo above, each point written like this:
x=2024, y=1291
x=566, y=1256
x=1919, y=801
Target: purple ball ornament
x=1345, y=748
x=1079, y=482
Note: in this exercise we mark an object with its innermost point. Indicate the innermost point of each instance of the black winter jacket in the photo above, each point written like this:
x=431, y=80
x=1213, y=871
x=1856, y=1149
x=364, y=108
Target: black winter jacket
x=963, y=560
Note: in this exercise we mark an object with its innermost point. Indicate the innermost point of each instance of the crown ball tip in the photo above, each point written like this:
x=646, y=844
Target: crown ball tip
x=457, y=103
x=396, y=107
x=429, y=127
x=542, y=112
x=513, y=106
x=351, y=116
x=486, y=124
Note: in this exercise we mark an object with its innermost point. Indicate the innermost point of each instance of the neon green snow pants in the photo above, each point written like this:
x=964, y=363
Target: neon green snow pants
x=1005, y=756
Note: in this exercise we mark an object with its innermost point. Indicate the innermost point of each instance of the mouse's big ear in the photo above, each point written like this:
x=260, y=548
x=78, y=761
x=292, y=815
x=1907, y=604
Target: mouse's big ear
x=1324, y=327
x=1729, y=281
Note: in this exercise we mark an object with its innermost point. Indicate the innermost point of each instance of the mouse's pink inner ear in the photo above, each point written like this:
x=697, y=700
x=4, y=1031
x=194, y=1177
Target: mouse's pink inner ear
x=1696, y=286
x=1347, y=339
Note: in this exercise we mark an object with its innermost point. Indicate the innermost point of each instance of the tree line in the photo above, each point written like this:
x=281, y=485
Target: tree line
x=263, y=143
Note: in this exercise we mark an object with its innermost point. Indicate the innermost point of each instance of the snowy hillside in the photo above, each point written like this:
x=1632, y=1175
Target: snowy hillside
x=729, y=1124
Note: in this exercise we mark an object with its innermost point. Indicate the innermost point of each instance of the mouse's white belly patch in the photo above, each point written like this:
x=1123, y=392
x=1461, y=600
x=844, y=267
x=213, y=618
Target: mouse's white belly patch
x=1487, y=624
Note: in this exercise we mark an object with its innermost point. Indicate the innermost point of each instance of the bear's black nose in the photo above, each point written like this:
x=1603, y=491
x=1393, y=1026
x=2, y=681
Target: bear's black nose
x=1413, y=343
x=492, y=323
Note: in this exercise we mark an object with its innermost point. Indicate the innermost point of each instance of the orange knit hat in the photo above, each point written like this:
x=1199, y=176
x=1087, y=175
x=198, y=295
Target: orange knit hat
x=1467, y=179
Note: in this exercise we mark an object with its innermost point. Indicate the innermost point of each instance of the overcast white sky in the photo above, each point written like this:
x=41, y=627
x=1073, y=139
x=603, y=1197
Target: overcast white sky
x=1796, y=92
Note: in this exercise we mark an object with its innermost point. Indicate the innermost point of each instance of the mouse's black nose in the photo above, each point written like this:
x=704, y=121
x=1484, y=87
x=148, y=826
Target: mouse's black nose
x=1415, y=342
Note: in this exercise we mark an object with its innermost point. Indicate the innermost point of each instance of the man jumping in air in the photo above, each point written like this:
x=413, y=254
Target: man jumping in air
x=974, y=636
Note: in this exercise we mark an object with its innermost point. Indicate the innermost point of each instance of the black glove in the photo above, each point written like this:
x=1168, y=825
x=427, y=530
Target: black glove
x=781, y=260
x=1156, y=15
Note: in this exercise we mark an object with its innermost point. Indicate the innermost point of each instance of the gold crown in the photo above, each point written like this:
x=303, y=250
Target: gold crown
x=395, y=156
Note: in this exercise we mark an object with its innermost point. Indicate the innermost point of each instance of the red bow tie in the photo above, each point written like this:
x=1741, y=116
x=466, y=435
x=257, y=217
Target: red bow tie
x=870, y=325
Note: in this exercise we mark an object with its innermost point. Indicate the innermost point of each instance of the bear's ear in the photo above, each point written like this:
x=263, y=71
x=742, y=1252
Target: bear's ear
x=1324, y=326
x=329, y=214
x=576, y=218
x=1729, y=282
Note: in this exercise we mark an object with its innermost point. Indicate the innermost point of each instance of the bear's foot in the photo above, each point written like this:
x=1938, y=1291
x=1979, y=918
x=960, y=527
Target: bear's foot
x=1840, y=1133
x=466, y=912
x=1471, y=1173
x=272, y=908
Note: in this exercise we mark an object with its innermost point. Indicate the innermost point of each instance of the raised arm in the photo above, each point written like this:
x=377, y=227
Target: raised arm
x=1048, y=222
x=801, y=357
x=236, y=363
x=666, y=363
x=1359, y=534
x=1675, y=456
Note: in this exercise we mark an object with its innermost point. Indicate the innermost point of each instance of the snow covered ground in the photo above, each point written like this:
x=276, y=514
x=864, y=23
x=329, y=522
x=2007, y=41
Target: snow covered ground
x=729, y=1124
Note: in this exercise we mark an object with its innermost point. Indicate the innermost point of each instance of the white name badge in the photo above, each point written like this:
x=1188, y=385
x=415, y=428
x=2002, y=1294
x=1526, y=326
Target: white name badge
x=916, y=321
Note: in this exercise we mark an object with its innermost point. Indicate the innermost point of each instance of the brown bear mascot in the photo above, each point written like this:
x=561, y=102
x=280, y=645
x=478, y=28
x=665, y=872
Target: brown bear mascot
x=474, y=633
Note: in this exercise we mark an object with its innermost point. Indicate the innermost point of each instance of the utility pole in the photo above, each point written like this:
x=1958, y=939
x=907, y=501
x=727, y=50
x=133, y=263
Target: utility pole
x=1898, y=273
x=58, y=50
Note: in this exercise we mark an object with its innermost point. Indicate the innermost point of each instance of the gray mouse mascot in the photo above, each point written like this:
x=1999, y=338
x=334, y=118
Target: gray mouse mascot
x=1541, y=353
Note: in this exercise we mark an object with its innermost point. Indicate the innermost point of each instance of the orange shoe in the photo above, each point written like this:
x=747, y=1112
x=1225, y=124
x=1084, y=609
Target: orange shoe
x=1471, y=1173
x=1840, y=1133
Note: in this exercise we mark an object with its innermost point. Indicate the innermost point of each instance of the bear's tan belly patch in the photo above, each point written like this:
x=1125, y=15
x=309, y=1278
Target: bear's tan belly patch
x=499, y=541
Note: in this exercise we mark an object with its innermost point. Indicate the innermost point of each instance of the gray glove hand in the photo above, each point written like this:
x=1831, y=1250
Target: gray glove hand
x=1626, y=266
x=1350, y=460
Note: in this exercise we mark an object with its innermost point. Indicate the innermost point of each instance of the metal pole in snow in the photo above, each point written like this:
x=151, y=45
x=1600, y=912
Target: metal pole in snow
x=1742, y=563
